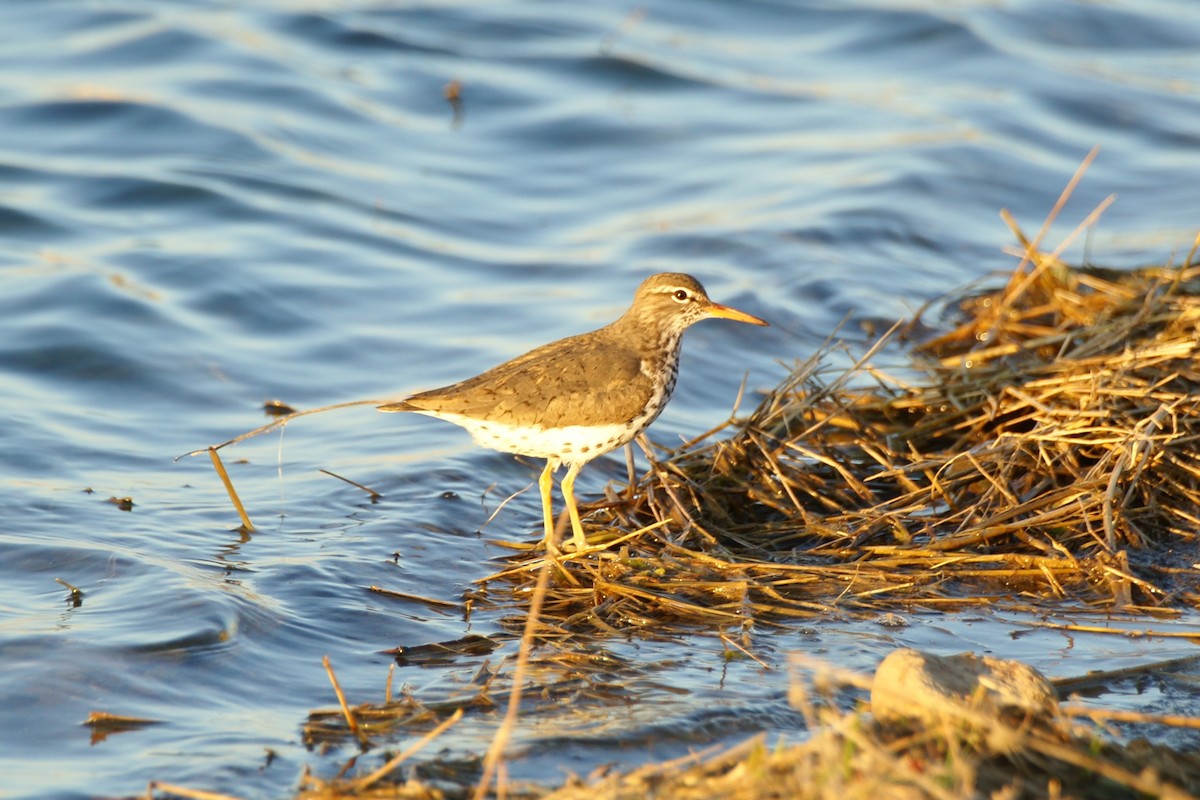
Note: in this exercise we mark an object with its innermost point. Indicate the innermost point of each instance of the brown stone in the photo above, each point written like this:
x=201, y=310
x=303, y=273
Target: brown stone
x=911, y=686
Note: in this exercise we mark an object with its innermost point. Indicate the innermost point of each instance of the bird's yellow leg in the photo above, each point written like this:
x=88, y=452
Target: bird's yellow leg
x=568, y=490
x=546, y=484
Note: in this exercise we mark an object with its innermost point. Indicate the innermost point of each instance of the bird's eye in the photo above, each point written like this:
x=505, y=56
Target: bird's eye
x=680, y=295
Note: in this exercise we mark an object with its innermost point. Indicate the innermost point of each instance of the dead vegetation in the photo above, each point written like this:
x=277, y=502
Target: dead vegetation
x=1043, y=449
x=1041, y=453
x=854, y=755
x=964, y=748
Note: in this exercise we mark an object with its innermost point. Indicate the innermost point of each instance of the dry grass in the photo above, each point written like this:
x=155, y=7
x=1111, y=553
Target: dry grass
x=1043, y=449
x=849, y=755
x=1042, y=452
x=853, y=758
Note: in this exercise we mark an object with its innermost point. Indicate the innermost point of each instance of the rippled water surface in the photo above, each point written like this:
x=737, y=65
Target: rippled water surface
x=206, y=205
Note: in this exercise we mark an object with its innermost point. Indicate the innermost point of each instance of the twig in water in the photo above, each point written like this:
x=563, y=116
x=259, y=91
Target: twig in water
x=346, y=712
x=374, y=494
x=279, y=423
x=504, y=732
x=181, y=791
x=247, y=525
x=362, y=783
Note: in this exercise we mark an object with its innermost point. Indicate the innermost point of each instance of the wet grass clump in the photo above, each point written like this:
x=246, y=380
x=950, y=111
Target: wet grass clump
x=1039, y=451
x=955, y=747
x=1044, y=449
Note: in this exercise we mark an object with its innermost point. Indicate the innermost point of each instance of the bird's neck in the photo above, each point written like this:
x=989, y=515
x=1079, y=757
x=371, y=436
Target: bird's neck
x=653, y=340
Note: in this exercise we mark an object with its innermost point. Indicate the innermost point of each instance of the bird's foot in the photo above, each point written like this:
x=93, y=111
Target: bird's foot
x=579, y=545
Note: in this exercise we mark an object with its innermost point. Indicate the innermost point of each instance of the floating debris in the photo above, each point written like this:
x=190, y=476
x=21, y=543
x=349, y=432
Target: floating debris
x=75, y=599
x=104, y=724
x=443, y=653
x=277, y=408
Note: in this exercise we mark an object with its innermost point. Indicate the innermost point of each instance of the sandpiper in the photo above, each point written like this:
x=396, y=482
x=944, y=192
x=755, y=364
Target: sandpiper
x=575, y=399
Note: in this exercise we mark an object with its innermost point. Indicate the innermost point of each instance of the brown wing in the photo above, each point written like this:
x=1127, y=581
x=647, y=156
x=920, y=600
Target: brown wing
x=573, y=381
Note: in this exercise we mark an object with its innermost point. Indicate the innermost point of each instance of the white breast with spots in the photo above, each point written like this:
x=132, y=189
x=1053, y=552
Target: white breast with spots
x=662, y=391
x=572, y=444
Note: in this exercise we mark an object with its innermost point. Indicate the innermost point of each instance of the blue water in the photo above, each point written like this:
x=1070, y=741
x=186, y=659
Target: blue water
x=206, y=205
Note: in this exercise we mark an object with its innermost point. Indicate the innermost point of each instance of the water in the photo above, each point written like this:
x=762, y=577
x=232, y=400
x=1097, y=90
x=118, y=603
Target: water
x=205, y=206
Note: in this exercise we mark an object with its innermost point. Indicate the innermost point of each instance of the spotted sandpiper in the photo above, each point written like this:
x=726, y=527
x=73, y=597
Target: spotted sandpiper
x=573, y=400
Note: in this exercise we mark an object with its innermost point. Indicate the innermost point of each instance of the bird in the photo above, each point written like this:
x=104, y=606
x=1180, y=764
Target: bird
x=578, y=398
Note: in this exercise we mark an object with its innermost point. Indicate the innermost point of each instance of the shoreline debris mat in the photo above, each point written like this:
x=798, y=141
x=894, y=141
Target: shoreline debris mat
x=1046, y=448
x=1040, y=451
x=954, y=727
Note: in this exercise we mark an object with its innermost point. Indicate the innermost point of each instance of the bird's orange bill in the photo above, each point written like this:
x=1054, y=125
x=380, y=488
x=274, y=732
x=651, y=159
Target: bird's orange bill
x=725, y=312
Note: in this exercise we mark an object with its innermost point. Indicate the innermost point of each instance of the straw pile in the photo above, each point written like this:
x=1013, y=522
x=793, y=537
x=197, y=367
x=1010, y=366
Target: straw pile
x=956, y=747
x=853, y=755
x=1046, y=449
